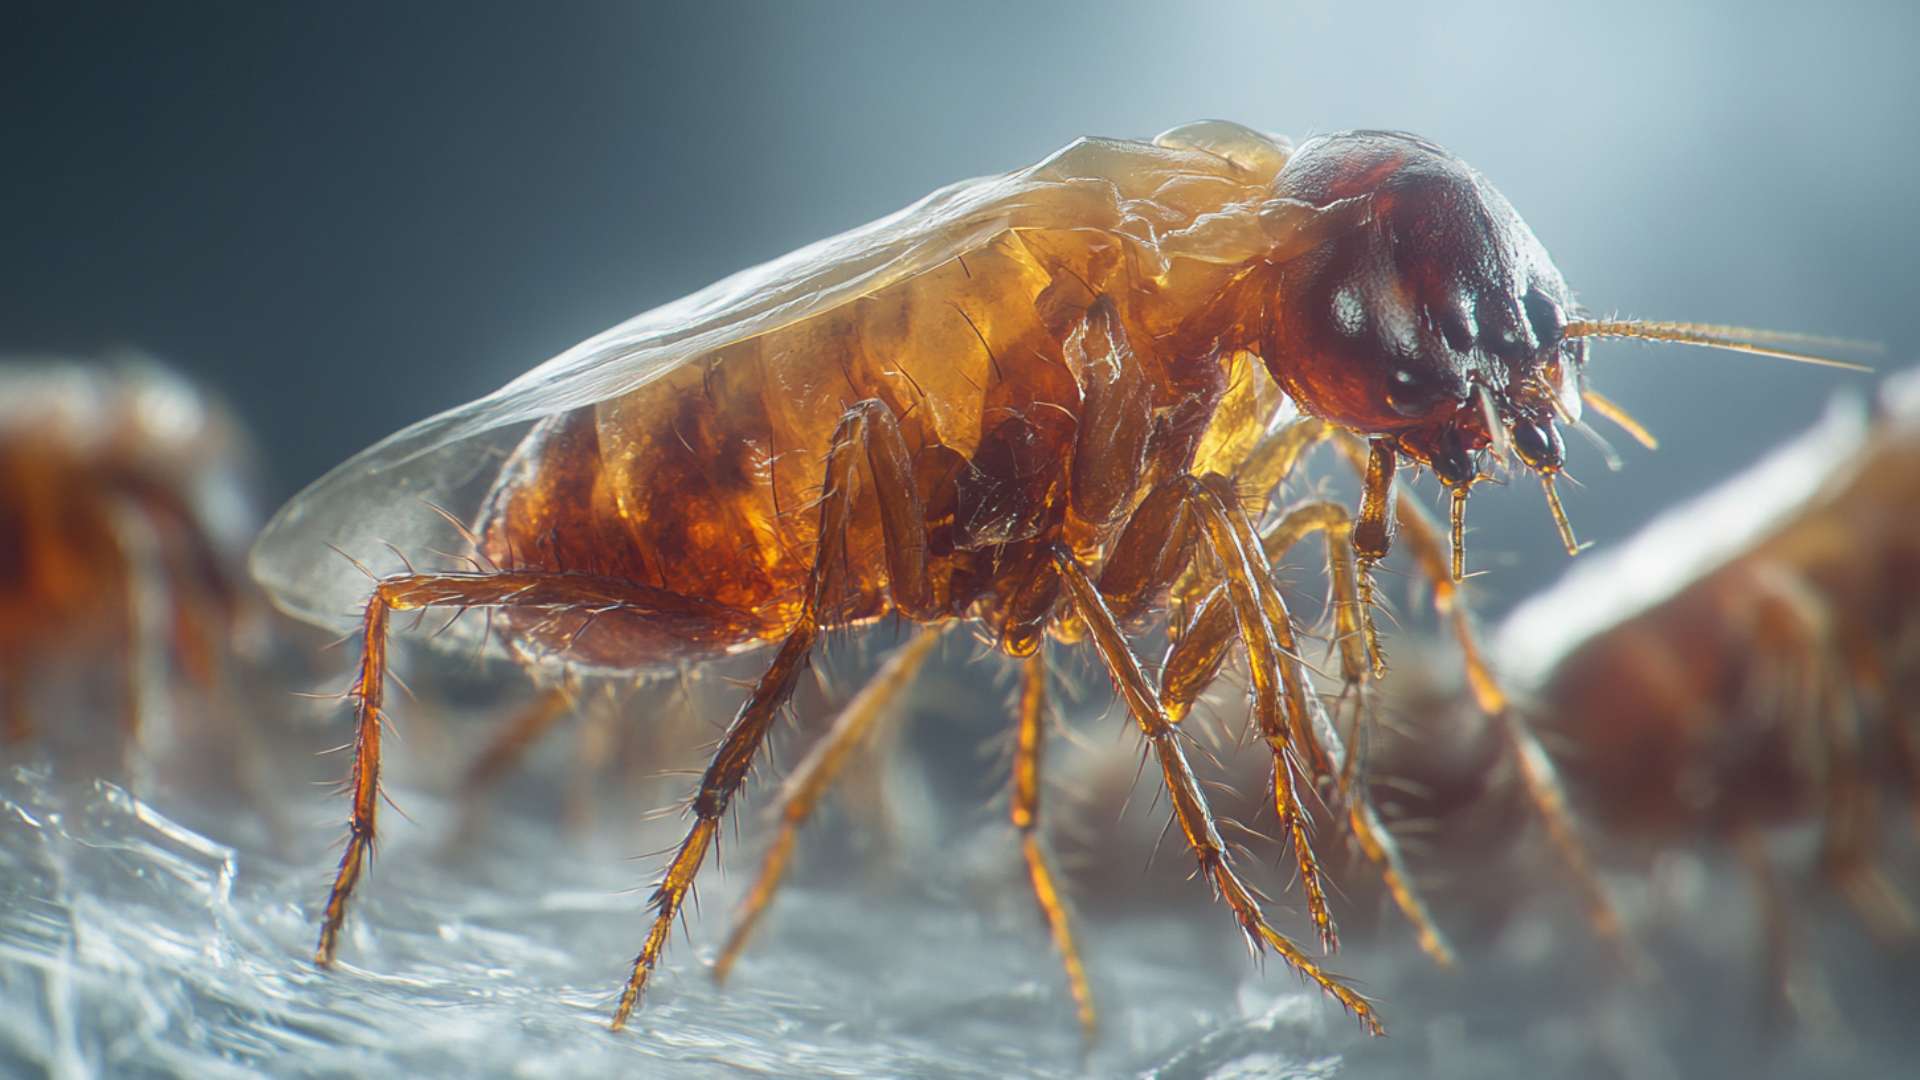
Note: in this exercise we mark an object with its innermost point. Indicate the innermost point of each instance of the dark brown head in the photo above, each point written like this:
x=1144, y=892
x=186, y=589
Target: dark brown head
x=1437, y=320
x=1430, y=316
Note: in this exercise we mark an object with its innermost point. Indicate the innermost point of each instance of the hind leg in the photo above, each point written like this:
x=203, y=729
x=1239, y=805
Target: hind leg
x=868, y=434
x=535, y=590
x=816, y=773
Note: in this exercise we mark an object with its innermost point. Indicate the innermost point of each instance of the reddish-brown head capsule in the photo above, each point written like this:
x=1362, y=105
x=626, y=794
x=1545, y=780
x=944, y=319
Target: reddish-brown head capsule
x=1437, y=320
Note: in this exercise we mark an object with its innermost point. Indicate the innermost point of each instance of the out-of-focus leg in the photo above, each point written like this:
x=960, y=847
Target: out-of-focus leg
x=1029, y=741
x=815, y=775
x=1537, y=773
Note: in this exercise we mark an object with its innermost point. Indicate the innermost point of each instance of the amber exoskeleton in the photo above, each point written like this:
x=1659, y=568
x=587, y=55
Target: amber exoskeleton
x=124, y=515
x=1038, y=401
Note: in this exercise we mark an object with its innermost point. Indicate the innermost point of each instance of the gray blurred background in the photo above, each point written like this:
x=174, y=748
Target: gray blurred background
x=346, y=218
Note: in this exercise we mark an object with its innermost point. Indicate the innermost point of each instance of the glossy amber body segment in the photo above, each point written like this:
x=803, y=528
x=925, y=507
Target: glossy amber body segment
x=697, y=482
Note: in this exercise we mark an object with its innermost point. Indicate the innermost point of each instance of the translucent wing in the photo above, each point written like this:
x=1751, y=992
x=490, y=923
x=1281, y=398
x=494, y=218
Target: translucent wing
x=1193, y=193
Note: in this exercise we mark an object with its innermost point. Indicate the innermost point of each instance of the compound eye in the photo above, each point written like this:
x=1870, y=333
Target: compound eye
x=1412, y=396
x=1545, y=316
x=1538, y=446
x=1456, y=325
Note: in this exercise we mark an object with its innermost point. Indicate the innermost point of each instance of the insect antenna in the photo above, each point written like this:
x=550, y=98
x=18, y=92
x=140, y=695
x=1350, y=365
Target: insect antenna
x=1744, y=339
x=1607, y=453
x=1611, y=409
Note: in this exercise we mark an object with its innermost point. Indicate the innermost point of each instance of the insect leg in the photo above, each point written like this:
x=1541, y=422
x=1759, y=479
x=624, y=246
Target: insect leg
x=1193, y=660
x=867, y=430
x=369, y=689
x=1335, y=525
x=511, y=743
x=1537, y=773
x=1280, y=691
x=1153, y=549
x=1793, y=639
x=1333, y=522
x=1373, y=535
x=1267, y=465
x=723, y=778
x=498, y=589
x=1852, y=823
x=1029, y=740
x=1776, y=926
x=1274, y=458
x=1189, y=805
x=816, y=773
x=1796, y=987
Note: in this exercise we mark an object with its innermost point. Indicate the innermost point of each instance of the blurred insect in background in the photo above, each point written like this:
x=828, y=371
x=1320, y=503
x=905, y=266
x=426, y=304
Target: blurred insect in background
x=123, y=521
x=1032, y=401
x=1749, y=662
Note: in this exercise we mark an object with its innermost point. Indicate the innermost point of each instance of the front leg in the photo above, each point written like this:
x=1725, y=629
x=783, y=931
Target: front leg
x=1373, y=535
x=1160, y=542
x=1190, y=809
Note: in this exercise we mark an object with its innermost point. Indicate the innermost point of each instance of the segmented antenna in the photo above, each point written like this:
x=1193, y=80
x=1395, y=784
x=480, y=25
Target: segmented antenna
x=1745, y=339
